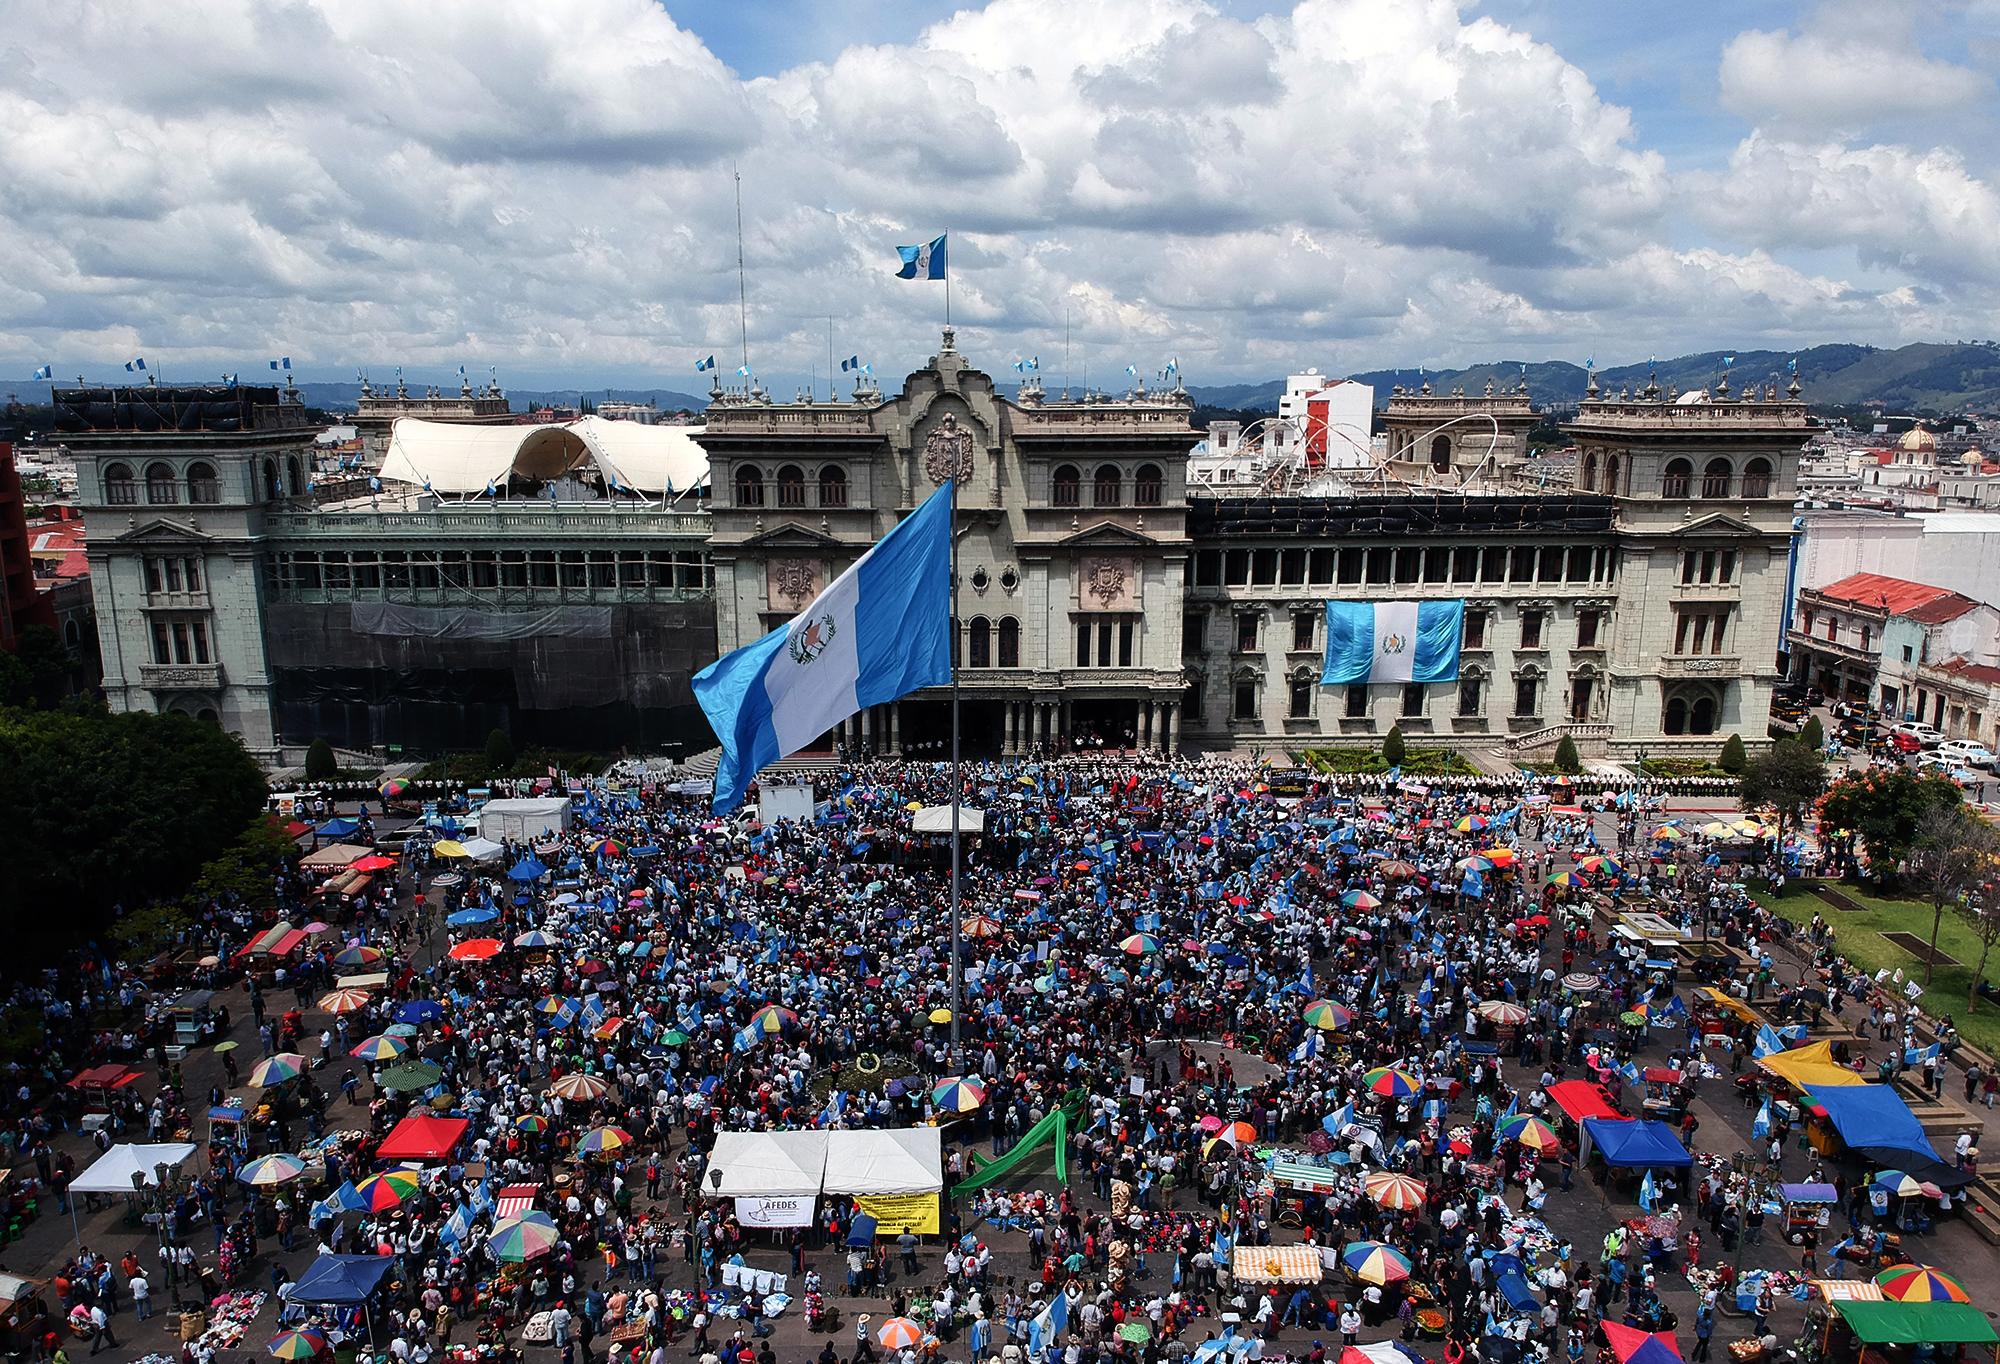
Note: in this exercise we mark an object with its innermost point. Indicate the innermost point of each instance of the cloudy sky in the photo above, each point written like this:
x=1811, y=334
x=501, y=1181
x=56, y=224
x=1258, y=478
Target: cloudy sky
x=546, y=187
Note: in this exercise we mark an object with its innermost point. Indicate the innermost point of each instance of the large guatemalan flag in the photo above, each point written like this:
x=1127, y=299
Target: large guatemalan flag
x=882, y=630
x=1392, y=641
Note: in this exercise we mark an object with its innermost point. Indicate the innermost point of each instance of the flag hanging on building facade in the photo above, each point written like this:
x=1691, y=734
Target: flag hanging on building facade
x=1392, y=641
x=880, y=631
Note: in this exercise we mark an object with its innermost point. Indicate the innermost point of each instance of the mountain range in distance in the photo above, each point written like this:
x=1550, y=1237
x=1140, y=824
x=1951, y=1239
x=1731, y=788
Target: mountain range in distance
x=346, y=397
x=1922, y=378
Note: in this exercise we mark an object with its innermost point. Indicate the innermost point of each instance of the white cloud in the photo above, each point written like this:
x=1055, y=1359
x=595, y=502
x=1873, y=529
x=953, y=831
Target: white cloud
x=1858, y=65
x=1352, y=182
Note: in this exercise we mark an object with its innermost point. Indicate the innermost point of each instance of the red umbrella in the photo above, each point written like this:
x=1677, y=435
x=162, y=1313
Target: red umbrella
x=372, y=862
x=475, y=949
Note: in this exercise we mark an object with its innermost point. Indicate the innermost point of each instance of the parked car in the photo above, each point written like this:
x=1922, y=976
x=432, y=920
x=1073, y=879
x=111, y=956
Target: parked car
x=1969, y=752
x=1924, y=734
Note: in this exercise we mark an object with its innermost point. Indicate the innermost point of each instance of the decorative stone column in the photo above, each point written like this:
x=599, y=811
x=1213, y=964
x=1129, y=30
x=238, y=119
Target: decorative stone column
x=1173, y=728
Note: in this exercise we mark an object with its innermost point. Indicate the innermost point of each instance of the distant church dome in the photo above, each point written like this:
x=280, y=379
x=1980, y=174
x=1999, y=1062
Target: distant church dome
x=1916, y=438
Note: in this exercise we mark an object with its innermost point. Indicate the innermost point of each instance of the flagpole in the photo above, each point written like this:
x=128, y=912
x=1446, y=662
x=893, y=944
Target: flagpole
x=957, y=963
x=954, y=495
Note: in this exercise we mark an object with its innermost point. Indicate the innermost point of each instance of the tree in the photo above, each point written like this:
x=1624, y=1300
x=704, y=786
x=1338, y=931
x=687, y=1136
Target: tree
x=1983, y=914
x=1392, y=746
x=1787, y=779
x=1567, y=760
x=1948, y=858
x=1884, y=807
x=499, y=753
x=1813, y=734
x=320, y=762
x=1732, y=757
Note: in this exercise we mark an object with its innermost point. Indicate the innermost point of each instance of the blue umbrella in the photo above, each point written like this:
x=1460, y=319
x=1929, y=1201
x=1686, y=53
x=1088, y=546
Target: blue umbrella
x=337, y=828
x=420, y=1011
x=528, y=868
x=471, y=916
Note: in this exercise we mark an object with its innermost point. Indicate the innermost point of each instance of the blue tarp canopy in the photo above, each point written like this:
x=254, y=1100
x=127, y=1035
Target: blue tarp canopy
x=343, y=1279
x=337, y=828
x=1637, y=1144
x=1872, y=1115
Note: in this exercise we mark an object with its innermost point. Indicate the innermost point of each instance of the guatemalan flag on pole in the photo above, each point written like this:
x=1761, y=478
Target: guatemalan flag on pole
x=1392, y=641
x=923, y=262
x=880, y=631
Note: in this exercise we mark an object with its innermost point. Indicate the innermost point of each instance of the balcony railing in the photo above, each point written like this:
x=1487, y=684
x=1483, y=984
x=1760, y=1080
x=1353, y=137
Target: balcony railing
x=525, y=519
x=181, y=676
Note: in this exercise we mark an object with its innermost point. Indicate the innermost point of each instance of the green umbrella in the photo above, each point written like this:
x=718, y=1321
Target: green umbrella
x=674, y=1037
x=412, y=1076
x=1138, y=1332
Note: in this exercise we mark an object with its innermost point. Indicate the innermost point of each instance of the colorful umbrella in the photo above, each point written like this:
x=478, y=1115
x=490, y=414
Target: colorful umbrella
x=1472, y=824
x=773, y=1018
x=1601, y=864
x=1569, y=880
x=531, y=1122
x=579, y=1086
x=393, y=788
x=1630, y=1345
x=383, y=1048
x=1375, y=1262
x=1632, y=1018
x=1138, y=944
x=1396, y=869
x=390, y=1189
x=372, y=862
x=409, y=1077
x=1391, y=1083
x=1237, y=1134
x=1531, y=1132
x=1501, y=857
x=1502, y=1011
x=343, y=1001
x=959, y=1096
x=266, y=1171
x=296, y=1345
x=1391, y=1190
x=475, y=949
x=1476, y=862
x=1921, y=1283
x=358, y=955
x=522, y=1237
x=275, y=1070
x=1582, y=982
x=981, y=926
x=1361, y=899
x=534, y=937
x=1328, y=1016
x=1668, y=833
x=603, y=1141
x=609, y=847
x=899, y=1333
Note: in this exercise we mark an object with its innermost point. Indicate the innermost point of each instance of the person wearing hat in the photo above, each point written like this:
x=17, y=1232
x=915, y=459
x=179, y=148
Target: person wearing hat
x=864, y=1340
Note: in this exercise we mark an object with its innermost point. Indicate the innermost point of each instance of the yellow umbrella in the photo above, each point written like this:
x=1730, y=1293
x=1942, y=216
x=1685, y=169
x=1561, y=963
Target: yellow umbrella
x=449, y=847
x=940, y=1015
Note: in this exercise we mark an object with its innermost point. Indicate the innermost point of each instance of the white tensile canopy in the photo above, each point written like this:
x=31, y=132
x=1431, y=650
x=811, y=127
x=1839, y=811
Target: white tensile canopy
x=936, y=819
x=450, y=458
x=896, y=1160
x=768, y=1164
x=112, y=1172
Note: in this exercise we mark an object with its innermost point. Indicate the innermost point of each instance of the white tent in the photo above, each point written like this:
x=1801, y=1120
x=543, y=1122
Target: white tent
x=450, y=458
x=525, y=817
x=891, y=1161
x=768, y=1164
x=936, y=819
x=482, y=849
x=112, y=1172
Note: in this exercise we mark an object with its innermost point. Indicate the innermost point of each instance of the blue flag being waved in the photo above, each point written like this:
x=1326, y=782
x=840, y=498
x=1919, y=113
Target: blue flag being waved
x=879, y=632
x=926, y=261
x=1392, y=641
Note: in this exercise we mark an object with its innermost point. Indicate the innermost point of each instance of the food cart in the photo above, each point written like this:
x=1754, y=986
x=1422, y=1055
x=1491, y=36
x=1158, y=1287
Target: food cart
x=24, y=1316
x=193, y=1017
x=1807, y=1210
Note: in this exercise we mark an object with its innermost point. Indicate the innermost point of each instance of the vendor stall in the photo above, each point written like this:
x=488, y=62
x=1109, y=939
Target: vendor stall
x=1264, y=1266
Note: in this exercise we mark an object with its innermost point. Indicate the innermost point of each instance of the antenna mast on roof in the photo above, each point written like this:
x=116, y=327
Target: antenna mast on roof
x=742, y=288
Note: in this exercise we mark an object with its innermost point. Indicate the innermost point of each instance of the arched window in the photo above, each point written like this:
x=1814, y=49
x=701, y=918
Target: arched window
x=791, y=486
x=1757, y=478
x=119, y=489
x=1677, y=715
x=1676, y=480
x=1611, y=472
x=1701, y=715
x=1067, y=490
x=270, y=480
x=1010, y=643
x=161, y=485
x=295, y=476
x=204, y=489
x=72, y=634
x=1441, y=452
x=833, y=486
x=749, y=486
x=979, y=648
x=1148, y=486
x=1588, y=480
x=1107, y=487
x=1716, y=478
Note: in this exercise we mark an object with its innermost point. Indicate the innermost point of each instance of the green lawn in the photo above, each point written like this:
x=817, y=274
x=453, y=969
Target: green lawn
x=1859, y=937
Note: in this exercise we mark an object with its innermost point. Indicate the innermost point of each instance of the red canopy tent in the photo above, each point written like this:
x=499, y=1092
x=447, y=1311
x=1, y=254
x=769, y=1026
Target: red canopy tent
x=1580, y=1099
x=111, y=1075
x=422, y=1137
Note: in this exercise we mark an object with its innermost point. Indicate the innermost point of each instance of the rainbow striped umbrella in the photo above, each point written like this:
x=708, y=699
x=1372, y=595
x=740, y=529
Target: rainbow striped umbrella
x=1531, y=1132
x=1476, y=862
x=580, y=1086
x=1375, y=1262
x=268, y=1171
x=343, y=1001
x=1391, y=1190
x=552, y=1005
x=1569, y=880
x=1921, y=1283
x=1391, y=1083
x=531, y=1122
x=297, y=1345
x=523, y=1237
x=959, y=1096
x=1601, y=864
x=1138, y=944
x=1668, y=833
x=1328, y=1016
x=603, y=1141
x=275, y=1070
x=379, y=1193
x=393, y=788
x=773, y=1018
x=609, y=847
x=382, y=1048
x=358, y=955
x=1472, y=824
x=1361, y=899
x=1502, y=1011
x=899, y=1333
